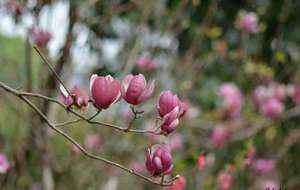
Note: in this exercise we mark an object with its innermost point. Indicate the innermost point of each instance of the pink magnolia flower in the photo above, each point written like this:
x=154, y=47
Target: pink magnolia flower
x=272, y=108
x=179, y=184
x=248, y=22
x=232, y=100
x=170, y=121
x=263, y=166
x=220, y=135
x=40, y=37
x=296, y=94
x=159, y=162
x=78, y=97
x=147, y=63
x=168, y=102
x=104, y=91
x=134, y=90
x=201, y=162
x=225, y=180
x=14, y=7
x=4, y=164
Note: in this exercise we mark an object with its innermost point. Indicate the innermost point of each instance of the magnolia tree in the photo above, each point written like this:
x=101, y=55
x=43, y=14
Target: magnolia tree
x=233, y=127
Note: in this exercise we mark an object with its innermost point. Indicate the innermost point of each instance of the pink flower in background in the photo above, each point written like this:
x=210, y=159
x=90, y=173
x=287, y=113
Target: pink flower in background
x=93, y=141
x=220, y=135
x=248, y=22
x=225, y=180
x=137, y=166
x=14, y=7
x=263, y=166
x=175, y=142
x=179, y=184
x=75, y=149
x=134, y=89
x=272, y=108
x=78, y=97
x=232, y=100
x=4, y=164
x=147, y=63
x=167, y=102
x=201, y=162
x=170, y=121
x=296, y=94
x=159, y=161
x=104, y=91
x=40, y=37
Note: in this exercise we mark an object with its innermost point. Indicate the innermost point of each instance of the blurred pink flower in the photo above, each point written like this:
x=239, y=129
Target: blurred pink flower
x=175, y=141
x=40, y=37
x=248, y=22
x=220, y=135
x=179, y=184
x=272, y=108
x=225, y=180
x=75, y=149
x=147, y=63
x=4, y=164
x=263, y=93
x=167, y=102
x=134, y=90
x=93, y=142
x=201, y=162
x=232, y=100
x=78, y=97
x=296, y=94
x=104, y=91
x=137, y=166
x=159, y=161
x=263, y=166
x=14, y=7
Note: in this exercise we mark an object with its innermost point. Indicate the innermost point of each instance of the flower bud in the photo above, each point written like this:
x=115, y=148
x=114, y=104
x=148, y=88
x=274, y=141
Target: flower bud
x=263, y=166
x=78, y=97
x=170, y=121
x=248, y=22
x=225, y=180
x=272, y=108
x=159, y=162
x=168, y=102
x=40, y=37
x=104, y=91
x=134, y=90
x=147, y=63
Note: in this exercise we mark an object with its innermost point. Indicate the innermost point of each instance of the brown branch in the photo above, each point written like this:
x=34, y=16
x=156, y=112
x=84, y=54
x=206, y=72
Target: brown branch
x=74, y=142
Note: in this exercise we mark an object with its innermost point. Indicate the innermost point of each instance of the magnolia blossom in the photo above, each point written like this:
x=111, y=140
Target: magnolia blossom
x=248, y=22
x=14, y=7
x=167, y=102
x=296, y=94
x=263, y=166
x=272, y=108
x=232, y=100
x=225, y=180
x=220, y=135
x=201, y=162
x=170, y=121
x=104, y=91
x=40, y=37
x=4, y=164
x=147, y=63
x=135, y=90
x=159, y=161
x=179, y=184
x=76, y=97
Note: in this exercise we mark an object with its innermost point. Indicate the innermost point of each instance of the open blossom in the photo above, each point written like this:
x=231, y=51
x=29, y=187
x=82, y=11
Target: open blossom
x=4, y=164
x=263, y=166
x=14, y=7
x=170, y=121
x=272, y=108
x=232, y=100
x=225, y=180
x=104, y=91
x=220, y=135
x=201, y=162
x=248, y=22
x=168, y=102
x=179, y=184
x=76, y=97
x=296, y=94
x=147, y=63
x=135, y=90
x=40, y=37
x=159, y=161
